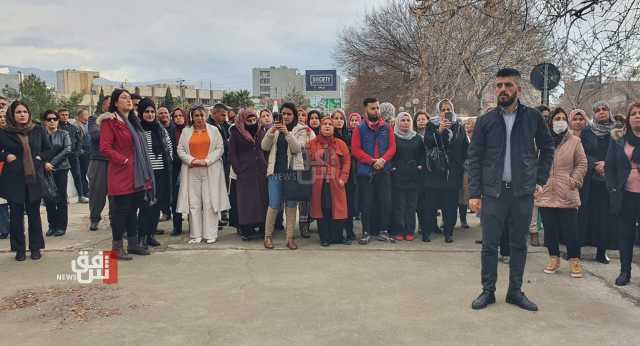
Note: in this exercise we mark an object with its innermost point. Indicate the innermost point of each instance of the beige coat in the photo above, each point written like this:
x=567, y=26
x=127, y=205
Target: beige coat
x=297, y=138
x=215, y=171
x=567, y=173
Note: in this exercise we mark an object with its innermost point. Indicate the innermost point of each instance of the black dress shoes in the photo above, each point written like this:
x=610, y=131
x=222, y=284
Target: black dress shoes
x=21, y=256
x=484, y=299
x=623, y=279
x=520, y=300
x=36, y=255
x=93, y=226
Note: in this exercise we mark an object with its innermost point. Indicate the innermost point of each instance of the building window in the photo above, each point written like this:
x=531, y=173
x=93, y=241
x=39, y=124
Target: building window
x=265, y=89
x=265, y=74
x=265, y=80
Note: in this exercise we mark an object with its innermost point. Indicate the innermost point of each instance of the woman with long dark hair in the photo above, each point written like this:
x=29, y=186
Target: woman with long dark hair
x=284, y=142
x=250, y=166
x=160, y=153
x=130, y=176
x=24, y=149
x=314, y=121
x=179, y=118
x=57, y=210
x=623, y=182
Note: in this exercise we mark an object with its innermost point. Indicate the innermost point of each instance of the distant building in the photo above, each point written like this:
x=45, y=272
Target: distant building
x=157, y=93
x=323, y=88
x=11, y=81
x=618, y=93
x=276, y=82
x=74, y=81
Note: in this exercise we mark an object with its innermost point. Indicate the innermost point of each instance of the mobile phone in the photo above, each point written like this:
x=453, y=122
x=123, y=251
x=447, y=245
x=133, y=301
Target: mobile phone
x=277, y=118
x=449, y=116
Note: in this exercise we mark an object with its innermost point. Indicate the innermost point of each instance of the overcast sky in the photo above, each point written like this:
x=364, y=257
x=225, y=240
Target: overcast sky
x=199, y=40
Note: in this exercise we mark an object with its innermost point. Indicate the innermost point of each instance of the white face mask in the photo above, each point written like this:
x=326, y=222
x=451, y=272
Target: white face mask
x=560, y=126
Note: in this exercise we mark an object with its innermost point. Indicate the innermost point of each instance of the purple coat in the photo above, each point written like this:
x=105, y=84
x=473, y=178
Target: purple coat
x=248, y=162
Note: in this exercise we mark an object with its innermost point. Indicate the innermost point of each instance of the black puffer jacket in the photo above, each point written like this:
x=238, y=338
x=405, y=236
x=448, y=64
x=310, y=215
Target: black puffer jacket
x=407, y=163
x=487, y=151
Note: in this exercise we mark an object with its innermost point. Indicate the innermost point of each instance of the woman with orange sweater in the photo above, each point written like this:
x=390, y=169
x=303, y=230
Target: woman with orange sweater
x=203, y=191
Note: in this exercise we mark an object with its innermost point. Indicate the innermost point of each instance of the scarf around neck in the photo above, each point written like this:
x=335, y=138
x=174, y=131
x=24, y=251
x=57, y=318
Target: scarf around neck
x=602, y=130
x=27, y=158
x=142, y=170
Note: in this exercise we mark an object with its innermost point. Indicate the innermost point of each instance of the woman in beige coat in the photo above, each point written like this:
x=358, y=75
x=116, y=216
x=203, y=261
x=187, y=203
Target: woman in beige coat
x=285, y=143
x=559, y=199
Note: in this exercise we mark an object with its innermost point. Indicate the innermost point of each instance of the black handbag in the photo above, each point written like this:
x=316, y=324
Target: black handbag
x=437, y=160
x=297, y=184
x=47, y=186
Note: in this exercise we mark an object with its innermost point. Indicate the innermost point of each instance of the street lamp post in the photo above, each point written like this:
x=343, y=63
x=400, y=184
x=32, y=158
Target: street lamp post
x=180, y=83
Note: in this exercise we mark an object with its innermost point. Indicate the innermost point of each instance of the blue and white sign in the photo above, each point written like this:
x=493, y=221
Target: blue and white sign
x=321, y=80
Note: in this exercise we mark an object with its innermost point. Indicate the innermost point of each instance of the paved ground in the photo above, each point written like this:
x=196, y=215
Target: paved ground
x=238, y=293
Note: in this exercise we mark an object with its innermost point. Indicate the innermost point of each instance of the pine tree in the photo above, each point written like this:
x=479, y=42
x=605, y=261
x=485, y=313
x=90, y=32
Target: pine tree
x=99, y=102
x=169, y=101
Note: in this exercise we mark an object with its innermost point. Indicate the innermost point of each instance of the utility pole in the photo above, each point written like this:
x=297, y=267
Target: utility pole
x=180, y=83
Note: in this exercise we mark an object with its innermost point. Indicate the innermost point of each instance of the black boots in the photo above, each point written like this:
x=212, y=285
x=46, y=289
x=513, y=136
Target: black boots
x=151, y=240
x=133, y=247
x=118, y=247
x=602, y=257
x=623, y=279
x=520, y=300
x=93, y=226
x=304, y=230
x=484, y=299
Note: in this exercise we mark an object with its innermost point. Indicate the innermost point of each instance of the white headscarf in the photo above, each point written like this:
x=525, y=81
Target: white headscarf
x=406, y=135
x=436, y=119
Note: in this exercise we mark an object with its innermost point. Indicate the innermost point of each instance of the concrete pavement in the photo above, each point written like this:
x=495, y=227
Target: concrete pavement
x=237, y=293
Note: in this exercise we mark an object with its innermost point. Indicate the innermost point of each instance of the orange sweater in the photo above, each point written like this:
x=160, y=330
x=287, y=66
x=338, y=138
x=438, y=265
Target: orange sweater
x=199, y=145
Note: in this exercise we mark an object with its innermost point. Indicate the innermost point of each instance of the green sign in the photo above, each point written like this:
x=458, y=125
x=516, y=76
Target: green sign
x=332, y=103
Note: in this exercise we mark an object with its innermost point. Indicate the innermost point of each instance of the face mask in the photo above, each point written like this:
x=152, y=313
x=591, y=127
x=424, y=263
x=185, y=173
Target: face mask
x=560, y=126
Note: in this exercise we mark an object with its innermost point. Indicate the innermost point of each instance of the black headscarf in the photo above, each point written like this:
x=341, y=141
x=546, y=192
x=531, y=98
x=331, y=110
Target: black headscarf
x=154, y=126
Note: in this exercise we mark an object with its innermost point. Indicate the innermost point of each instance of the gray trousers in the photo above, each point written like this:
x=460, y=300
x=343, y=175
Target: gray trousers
x=506, y=213
x=97, y=174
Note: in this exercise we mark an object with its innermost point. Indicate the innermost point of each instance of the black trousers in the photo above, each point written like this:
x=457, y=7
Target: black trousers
x=447, y=201
x=405, y=203
x=176, y=217
x=375, y=202
x=57, y=210
x=150, y=214
x=16, y=223
x=506, y=213
x=330, y=231
x=97, y=174
x=462, y=210
x=559, y=222
x=628, y=221
x=84, y=169
x=125, y=214
x=75, y=173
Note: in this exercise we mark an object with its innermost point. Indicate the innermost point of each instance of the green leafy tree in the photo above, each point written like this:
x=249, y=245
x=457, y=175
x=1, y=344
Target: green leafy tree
x=136, y=90
x=37, y=95
x=298, y=98
x=72, y=103
x=169, y=101
x=237, y=99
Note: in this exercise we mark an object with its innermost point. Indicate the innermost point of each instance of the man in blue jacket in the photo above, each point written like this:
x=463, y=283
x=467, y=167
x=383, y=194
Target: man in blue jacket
x=505, y=170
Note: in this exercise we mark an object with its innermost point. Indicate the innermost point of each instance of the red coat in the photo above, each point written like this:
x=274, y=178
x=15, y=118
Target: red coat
x=116, y=145
x=336, y=168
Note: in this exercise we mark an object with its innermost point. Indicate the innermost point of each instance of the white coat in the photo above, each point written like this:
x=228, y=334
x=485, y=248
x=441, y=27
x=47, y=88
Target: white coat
x=215, y=171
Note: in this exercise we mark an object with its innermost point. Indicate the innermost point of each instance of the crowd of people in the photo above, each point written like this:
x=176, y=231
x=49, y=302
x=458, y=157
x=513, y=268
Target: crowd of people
x=519, y=168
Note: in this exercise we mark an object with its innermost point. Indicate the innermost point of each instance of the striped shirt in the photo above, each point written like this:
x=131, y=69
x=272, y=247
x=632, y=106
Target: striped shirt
x=157, y=162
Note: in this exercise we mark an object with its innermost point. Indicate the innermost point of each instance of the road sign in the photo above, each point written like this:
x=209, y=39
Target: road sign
x=545, y=77
x=332, y=103
x=321, y=80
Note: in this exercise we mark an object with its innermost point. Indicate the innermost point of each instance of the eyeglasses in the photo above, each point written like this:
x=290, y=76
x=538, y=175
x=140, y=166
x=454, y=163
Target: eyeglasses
x=52, y=119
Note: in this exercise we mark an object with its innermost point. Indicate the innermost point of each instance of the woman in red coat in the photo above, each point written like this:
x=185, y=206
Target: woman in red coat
x=130, y=178
x=330, y=163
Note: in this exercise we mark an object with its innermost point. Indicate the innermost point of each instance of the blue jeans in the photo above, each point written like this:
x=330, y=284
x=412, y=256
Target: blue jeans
x=275, y=185
x=4, y=218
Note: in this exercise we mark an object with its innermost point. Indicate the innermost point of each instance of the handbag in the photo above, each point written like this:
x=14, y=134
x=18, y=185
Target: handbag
x=437, y=160
x=47, y=186
x=297, y=184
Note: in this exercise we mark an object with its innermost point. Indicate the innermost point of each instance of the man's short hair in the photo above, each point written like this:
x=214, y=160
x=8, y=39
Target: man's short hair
x=80, y=111
x=220, y=107
x=136, y=96
x=62, y=110
x=508, y=72
x=369, y=100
